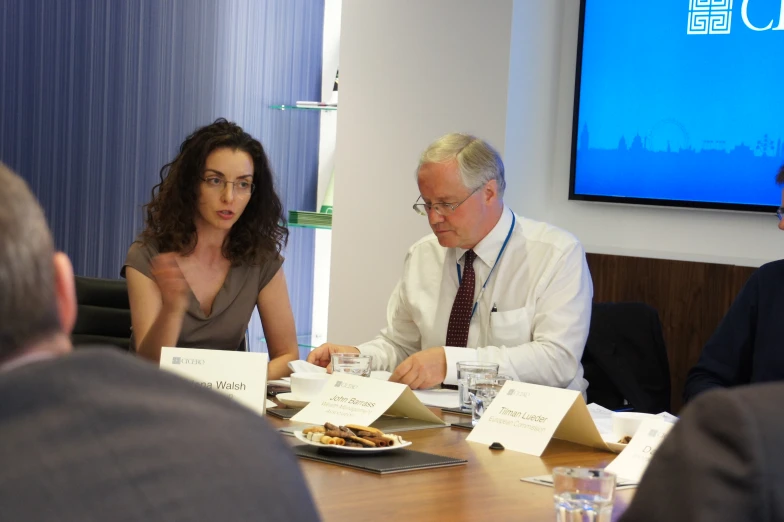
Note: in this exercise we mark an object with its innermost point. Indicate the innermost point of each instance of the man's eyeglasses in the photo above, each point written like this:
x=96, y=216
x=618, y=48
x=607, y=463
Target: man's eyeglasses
x=442, y=209
x=780, y=213
x=242, y=187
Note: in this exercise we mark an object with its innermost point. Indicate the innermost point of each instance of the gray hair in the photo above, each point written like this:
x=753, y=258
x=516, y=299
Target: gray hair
x=28, y=308
x=478, y=162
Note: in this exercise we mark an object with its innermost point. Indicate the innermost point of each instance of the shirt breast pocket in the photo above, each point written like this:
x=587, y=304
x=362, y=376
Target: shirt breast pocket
x=510, y=328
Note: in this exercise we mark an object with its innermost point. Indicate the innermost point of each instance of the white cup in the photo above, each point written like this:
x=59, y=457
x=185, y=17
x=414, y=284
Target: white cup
x=625, y=423
x=306, y=386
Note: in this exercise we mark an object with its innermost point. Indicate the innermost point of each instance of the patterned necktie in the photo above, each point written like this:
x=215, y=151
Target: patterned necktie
x=460, y=318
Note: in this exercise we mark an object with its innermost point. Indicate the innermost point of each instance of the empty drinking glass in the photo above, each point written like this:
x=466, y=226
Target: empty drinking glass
x=353, y=363
x=482, y=391
x=467, y=370
x=583, y=494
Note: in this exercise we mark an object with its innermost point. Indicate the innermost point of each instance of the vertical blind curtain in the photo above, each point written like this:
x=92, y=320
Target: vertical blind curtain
x=98, y=94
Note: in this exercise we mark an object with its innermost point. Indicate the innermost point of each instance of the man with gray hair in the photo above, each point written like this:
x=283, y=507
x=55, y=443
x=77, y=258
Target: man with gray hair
x=486, y=285
x=98, y=435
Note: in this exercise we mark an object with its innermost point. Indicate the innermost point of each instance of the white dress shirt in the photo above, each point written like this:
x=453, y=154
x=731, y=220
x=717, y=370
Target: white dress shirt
x=541, y=290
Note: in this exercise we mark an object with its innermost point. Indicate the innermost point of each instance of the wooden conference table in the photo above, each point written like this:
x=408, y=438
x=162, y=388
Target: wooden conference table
x=487, y=488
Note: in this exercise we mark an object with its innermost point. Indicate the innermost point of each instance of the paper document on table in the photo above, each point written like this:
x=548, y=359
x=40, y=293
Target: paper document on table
x=547, y=480
x=300, y=366
x=602, y=417
x=440, y=398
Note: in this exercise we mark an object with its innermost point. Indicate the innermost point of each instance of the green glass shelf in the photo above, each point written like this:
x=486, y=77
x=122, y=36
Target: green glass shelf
x=302, y=108
x=297, y=225
x=308, y=219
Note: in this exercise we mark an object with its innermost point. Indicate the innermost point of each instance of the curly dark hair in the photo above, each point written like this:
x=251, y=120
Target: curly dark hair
x=260, y=233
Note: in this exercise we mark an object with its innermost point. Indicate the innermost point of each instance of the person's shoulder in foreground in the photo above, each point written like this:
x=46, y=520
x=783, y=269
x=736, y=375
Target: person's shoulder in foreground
x=744, y=349
x=773, y=270
x=721, y=462
x=98, y=435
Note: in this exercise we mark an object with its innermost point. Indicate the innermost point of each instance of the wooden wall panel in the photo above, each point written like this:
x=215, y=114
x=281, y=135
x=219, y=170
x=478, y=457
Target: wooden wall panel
x=691, y=299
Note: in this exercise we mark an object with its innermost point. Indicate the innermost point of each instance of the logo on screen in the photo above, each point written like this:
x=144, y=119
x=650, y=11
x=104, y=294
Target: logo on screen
x=710, y=17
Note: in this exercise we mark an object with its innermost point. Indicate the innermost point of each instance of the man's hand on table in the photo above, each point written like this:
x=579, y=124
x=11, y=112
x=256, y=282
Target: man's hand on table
x=424, y=369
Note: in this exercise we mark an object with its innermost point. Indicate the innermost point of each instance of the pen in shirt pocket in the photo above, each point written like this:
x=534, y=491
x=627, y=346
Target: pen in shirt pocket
x=494, y=309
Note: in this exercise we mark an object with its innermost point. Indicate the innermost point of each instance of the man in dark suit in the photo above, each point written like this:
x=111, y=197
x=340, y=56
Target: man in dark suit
x=99, y=435
x=722, y=462
x=746, y=347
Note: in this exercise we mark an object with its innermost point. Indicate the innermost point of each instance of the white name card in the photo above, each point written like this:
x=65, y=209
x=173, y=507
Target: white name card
x=525, y=417
x=240, y=375
x=351, y=399
x=633, y=460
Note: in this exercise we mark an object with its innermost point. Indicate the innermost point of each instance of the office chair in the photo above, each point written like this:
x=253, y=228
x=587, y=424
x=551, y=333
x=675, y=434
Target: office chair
x=625, y=358
x=104, y=314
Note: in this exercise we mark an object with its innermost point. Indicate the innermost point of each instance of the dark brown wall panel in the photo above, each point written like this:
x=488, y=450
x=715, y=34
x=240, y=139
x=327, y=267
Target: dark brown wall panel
x=691, y=299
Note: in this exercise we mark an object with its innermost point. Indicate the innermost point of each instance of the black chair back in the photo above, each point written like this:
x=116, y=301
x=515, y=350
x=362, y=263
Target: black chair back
x=104, y=315
x=625, y=359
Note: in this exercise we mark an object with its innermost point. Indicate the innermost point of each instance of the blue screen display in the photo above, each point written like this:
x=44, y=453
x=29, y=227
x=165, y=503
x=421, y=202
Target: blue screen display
x=680, y=101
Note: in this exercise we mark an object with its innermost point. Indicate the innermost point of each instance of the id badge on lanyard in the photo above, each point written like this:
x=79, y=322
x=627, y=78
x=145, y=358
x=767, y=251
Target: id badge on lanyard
x=482, y=290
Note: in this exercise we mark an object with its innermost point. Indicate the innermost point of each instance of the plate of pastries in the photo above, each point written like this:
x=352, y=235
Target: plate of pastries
x=351, y=438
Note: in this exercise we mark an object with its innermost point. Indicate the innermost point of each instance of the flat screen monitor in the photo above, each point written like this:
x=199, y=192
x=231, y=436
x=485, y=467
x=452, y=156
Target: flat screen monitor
x=680, y=103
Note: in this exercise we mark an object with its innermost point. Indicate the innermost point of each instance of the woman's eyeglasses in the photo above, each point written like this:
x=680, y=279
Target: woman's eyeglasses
x=242, y=187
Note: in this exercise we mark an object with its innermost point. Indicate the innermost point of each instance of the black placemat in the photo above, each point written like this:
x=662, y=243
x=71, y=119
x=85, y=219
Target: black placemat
x=382, y=463
x=283, y=413
x=457, y=411
x=463, y=425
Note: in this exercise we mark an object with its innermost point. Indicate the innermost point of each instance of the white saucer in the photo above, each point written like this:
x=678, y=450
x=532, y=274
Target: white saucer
x=291, y=400
x=613, y=444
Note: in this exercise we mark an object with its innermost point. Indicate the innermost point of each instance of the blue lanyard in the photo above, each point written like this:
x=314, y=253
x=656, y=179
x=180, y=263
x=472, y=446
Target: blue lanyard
x=482, y=290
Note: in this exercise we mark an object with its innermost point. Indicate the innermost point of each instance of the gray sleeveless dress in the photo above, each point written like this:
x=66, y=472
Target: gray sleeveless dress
x=224, y=328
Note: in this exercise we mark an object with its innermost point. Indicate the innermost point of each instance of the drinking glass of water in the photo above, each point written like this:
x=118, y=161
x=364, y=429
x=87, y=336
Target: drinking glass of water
x=482, y=391
x=353, y=363
x=467, y=370
x=583, y=494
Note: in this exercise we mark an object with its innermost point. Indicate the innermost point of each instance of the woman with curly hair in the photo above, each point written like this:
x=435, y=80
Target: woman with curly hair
x=210, y=252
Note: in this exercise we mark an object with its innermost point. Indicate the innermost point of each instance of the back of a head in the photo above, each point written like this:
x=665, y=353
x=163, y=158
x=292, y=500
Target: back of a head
x=27, y=295
x=478, y=162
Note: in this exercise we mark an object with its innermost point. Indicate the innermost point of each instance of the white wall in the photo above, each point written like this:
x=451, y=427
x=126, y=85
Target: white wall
x=410, y=71
x=538, y=141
